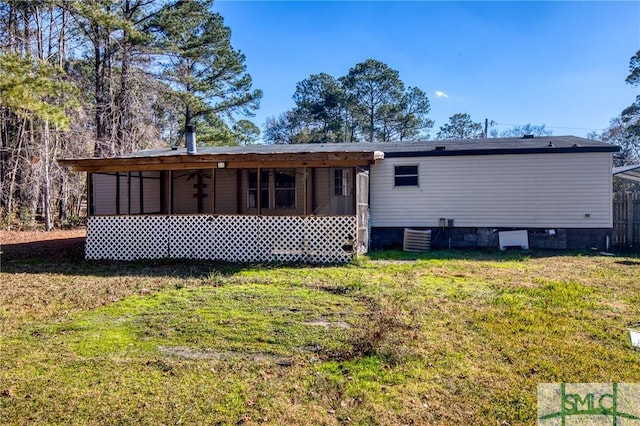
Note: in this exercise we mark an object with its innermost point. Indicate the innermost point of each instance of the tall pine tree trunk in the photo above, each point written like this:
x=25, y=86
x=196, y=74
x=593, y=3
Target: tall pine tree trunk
x=99, y=95
x=46, y=147
x=14, y=173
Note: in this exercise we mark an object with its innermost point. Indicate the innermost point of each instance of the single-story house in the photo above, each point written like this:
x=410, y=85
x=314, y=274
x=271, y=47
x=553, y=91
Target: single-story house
x=327, y=202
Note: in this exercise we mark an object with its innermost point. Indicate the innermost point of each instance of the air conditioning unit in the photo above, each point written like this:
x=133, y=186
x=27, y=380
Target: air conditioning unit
x=416, y=240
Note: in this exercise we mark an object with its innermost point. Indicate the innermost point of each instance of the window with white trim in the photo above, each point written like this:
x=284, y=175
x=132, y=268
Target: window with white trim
x=405, y=176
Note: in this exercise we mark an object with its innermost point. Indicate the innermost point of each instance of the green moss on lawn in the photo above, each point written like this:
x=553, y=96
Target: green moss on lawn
x=437, y=338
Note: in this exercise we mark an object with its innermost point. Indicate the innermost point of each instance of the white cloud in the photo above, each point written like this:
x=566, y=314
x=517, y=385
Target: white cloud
x=441, y=94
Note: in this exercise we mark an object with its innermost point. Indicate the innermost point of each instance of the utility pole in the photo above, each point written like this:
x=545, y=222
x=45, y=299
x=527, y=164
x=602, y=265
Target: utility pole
x=486, y=128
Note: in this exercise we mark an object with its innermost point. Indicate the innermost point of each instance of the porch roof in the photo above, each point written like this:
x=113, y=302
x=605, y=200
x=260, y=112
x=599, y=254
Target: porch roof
x=631, y=172
x=233, y=157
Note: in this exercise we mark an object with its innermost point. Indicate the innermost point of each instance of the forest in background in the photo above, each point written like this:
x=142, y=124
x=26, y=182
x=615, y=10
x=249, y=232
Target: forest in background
x=107, y=77
x=102, y=78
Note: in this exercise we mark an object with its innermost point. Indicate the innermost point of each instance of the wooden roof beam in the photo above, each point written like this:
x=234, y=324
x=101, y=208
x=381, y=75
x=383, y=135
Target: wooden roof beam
x=231, y=161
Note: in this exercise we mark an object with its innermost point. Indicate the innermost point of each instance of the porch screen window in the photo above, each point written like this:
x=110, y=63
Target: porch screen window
x=252, y=196
x=285, y=190
x=406, y=176
x=341, y=183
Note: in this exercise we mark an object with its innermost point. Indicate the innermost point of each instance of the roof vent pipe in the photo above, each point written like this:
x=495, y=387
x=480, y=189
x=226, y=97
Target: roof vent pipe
x=190, y=138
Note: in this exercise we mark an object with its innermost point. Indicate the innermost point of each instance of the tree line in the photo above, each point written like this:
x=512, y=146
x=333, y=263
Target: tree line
x=81, y=78
x=370, y=103
x=624, y=129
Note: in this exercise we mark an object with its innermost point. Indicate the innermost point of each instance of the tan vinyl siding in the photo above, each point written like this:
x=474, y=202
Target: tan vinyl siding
x=322, y=190
x=124, y=193
x=300, y=196
x=135, y=193
x=244, y=182
x=151, y=200
x=104, y=193
x=184, y=200
x=533, y=190
x=226, y=191
x=310, y=190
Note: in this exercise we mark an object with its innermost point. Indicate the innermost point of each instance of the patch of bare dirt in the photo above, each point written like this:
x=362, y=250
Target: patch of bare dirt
x=52, y=244
x=328, y=324
x=191, y=353
x=17, y=237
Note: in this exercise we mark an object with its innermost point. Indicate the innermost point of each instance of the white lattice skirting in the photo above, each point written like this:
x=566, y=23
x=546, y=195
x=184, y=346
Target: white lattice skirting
x=313, y=239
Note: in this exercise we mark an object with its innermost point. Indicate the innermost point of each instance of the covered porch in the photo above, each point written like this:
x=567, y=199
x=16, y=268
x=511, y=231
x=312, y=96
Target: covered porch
x=249, y=204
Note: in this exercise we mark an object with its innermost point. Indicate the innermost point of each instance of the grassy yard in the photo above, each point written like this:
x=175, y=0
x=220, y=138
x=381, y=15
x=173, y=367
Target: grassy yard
x=445, y=338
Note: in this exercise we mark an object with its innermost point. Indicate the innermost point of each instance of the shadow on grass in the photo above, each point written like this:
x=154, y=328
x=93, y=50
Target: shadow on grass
x=66, y=257
x=628, y=262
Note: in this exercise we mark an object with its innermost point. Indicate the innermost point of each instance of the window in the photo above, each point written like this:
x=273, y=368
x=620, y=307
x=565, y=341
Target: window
x=277, y=189
x=285, y=189
x=406, y=176
x=252, y=196
x=341, y=182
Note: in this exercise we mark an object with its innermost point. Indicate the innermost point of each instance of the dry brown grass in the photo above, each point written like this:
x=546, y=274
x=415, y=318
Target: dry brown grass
x=448, y=338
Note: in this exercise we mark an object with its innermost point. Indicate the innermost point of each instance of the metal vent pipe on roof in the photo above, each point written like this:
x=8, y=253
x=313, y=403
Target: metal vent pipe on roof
x=190, y=138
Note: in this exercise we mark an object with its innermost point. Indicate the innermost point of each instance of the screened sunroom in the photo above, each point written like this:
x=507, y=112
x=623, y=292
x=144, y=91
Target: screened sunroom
x=245, y=204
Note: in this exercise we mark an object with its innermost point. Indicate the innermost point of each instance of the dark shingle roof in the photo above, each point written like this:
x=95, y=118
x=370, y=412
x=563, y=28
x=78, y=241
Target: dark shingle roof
x=545, y=144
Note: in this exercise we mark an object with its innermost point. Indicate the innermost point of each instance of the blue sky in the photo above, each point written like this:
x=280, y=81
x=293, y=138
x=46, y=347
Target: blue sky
x=561, y=64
